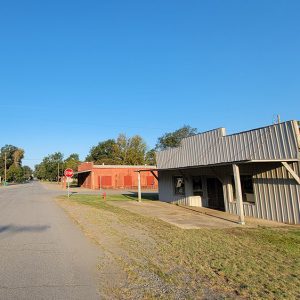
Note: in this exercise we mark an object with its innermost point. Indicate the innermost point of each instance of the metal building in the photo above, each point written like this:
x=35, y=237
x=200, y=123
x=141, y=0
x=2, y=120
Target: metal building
x=253, y=173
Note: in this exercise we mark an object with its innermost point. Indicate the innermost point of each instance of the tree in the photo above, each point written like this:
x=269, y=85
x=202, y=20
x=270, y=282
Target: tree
x=14, y=155
x=48, y=168
x=18, y=155
x=72, y=162
x=129, y=151
x=120, y=149
x=150, y=158
x=15, y=174
x=104, y=152
x=27, y=171
x=173, y=139
x=40, y=171
x=136, y=150
x=123, y=151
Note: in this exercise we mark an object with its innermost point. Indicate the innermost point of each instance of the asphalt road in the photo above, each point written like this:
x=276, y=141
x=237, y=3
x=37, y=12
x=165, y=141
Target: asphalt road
x=43, y=255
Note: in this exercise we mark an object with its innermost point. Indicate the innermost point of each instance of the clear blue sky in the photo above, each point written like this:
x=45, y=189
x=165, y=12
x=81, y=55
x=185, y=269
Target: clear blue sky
x=73, y=73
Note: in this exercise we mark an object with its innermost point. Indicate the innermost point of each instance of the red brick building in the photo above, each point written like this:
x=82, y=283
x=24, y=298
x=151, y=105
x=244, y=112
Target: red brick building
x=115, y=176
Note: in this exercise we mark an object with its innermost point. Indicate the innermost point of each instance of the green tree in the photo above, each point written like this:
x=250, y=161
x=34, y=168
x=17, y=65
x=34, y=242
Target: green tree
x=72, y=162
x=48, y=168
x=173, y=139
x=27, y=171
x=136, y=150
x=14, y=155
x=120, y=149
x=150, y=158
x=123, y=151
x=15, y=174
x=104, y=152
x=40, y=171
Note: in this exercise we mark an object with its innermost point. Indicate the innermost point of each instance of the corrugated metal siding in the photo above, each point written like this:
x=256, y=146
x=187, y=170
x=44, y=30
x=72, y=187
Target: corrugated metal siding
x=277, y=141
x=166, y=191
x=277, y=196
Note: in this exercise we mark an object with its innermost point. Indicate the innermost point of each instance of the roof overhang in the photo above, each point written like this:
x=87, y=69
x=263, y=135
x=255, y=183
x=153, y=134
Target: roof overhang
x=229, y=164
x=81, y=172
x=147, y=170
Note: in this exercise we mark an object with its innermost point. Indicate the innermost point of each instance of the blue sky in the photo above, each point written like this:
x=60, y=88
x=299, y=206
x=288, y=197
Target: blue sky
x=73, y=73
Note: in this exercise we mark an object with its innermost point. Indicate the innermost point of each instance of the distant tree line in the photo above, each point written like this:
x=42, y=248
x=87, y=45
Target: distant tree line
x=53, y=166
x=123, y=150
x=15, y=172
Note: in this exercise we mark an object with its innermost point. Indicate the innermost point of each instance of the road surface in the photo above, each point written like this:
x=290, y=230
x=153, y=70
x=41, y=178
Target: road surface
x=43, y=255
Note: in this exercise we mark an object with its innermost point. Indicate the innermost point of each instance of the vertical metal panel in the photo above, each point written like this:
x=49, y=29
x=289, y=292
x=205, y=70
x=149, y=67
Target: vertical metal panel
x=257, y=211
x=279, y=141
x=277, y=194
x=285, y=188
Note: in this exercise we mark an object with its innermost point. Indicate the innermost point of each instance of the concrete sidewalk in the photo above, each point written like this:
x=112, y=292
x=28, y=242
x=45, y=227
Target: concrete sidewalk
x=189, y=217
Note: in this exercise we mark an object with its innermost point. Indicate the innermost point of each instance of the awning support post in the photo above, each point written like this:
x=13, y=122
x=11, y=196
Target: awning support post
x=238, y=192
x=291, y=171
x=139, y=187
x=156, y=177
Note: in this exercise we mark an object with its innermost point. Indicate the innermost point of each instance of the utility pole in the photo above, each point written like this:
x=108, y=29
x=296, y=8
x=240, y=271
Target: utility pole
x=5, y=167
x=278, y=119
x=58, y=173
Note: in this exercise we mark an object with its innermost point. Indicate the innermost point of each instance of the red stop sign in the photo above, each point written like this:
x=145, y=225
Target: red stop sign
x=69, y=173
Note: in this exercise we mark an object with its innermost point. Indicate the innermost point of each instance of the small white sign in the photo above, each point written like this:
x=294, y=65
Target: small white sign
x=69, y=180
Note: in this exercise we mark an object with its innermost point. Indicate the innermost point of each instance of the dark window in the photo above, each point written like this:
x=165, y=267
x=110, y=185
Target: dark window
x=179, y=185
x=197, y=186
x=247, y=188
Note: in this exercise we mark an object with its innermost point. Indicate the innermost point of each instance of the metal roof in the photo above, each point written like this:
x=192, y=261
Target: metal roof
x=275, y=142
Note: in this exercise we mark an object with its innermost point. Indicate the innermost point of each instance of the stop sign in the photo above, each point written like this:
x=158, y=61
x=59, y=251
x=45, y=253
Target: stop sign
x=69, y=173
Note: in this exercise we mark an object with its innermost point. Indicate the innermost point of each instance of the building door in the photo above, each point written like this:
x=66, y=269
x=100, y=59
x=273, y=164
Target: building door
x=215, y=194
x=106, y=182
x=128, y=181
x=150, y=181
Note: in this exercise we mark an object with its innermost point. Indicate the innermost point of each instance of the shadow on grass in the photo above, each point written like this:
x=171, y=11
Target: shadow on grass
x=145, y=196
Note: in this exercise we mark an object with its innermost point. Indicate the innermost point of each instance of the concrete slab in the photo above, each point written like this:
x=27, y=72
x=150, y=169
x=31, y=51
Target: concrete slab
x=189, y=217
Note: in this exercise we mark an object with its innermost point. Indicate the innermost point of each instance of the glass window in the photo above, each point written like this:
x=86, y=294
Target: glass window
x=247, y=188
x=179, y=185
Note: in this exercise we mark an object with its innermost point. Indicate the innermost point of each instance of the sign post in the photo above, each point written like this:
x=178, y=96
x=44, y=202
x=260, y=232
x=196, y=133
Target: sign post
x=69, y=174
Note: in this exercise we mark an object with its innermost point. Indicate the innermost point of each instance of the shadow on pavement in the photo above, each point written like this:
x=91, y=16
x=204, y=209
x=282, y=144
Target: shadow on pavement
x=17, y=229
x=145, y=196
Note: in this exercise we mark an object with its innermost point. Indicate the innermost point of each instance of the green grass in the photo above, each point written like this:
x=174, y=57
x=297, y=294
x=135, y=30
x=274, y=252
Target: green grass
x=260, y=263
x=94, y=199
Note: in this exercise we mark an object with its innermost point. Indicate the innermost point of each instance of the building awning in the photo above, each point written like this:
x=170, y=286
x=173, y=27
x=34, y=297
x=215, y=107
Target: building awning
x=80, y=172
x=149, y=170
